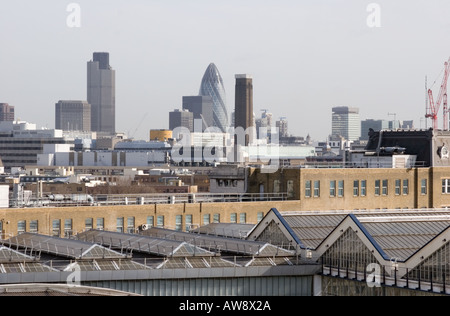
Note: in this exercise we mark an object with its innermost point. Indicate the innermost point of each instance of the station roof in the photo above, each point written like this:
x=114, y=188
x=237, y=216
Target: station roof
x=222, y=244
x=146, y=244
x=68, y=248
x=225, y=230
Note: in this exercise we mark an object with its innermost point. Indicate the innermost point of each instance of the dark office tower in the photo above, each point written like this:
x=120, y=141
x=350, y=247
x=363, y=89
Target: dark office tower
x=179, y=118
x=244, y=104
x=73, y=116
x=101, y=94
x=212, y=86
x=6, y=112
x=202, y=107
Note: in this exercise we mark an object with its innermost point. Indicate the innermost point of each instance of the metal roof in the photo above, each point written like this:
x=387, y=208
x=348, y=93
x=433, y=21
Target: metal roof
x=401, y=237
x=397, y=226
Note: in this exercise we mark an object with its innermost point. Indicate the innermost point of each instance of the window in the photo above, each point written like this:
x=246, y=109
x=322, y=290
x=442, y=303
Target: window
x=405, y=187
x=333, y=188
x=179, y=222
x=316, y=188
x=290, y=188
x=397, y=186
x=341, y=188
x=377, y=187
x=363, y=187
x=423, y=186
x=130, y=225
x=188, y=222
x=233, y=218
x=89, y=223
x=100, y=223
x=260, y=216
x=151, y=221
x=308, y=189
x=385, y=187
x=68, y=228
x=445, y=186
x=56, y=227
x=21, y=227
x=216, y=218
x=119, y=225
x=160, y=221
x=243, y=218
x=356, y=188
x=34, y=227
x=206, y=219
x=276, y=186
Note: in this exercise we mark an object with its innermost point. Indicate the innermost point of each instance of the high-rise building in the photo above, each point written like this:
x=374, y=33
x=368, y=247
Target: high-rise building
x=73, y=116
x=179, y=118
x=202, y=108
x=244, y=104
x=212, y=86
x=6, y=112
x=282, y=126
x=346, y=123
x=101, y=94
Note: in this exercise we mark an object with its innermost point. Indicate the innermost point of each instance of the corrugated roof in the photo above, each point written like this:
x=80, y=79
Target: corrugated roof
x=399, y=232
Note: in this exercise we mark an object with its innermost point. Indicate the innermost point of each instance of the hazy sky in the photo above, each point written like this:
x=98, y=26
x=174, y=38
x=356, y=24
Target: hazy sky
x=305, y=56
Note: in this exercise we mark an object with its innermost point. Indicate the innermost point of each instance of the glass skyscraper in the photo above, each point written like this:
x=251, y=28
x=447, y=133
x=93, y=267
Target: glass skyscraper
x=212, y=85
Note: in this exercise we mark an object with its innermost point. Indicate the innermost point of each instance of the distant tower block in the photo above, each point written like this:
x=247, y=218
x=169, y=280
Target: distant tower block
x=244, y=104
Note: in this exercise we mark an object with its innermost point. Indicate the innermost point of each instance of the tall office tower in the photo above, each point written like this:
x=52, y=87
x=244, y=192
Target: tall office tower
x=212, y=86
x=101, y=94
x=264, y=122
x=282, y=126
x=202, y=108
x=244, y=105
x=178, y=119
x=346, y=123
x=6, y=112
x=73, y=116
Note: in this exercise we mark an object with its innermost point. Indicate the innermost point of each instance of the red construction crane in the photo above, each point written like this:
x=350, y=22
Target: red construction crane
x=433, y=108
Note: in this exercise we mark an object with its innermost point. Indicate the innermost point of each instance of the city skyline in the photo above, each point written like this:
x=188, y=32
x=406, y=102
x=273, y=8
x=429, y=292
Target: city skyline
x=305, y=57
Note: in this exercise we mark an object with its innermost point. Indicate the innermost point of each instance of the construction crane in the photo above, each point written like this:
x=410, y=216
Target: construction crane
x=433, y=108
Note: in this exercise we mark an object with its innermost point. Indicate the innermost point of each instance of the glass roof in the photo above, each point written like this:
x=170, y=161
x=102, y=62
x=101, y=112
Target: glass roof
x=69, y=248
x=221, y=244
x=146, y=244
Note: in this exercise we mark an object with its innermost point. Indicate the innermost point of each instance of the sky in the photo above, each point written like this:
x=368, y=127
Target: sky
x=306, y=56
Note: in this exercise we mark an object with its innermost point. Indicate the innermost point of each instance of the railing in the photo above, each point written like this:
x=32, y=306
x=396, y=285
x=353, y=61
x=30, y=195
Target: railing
x=355, y=165
x=145, y=199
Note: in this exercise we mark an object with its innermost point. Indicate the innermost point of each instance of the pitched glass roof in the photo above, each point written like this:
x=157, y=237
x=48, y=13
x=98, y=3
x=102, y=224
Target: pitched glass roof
x=146, y=244
x=221, y=244
x=69, y=248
